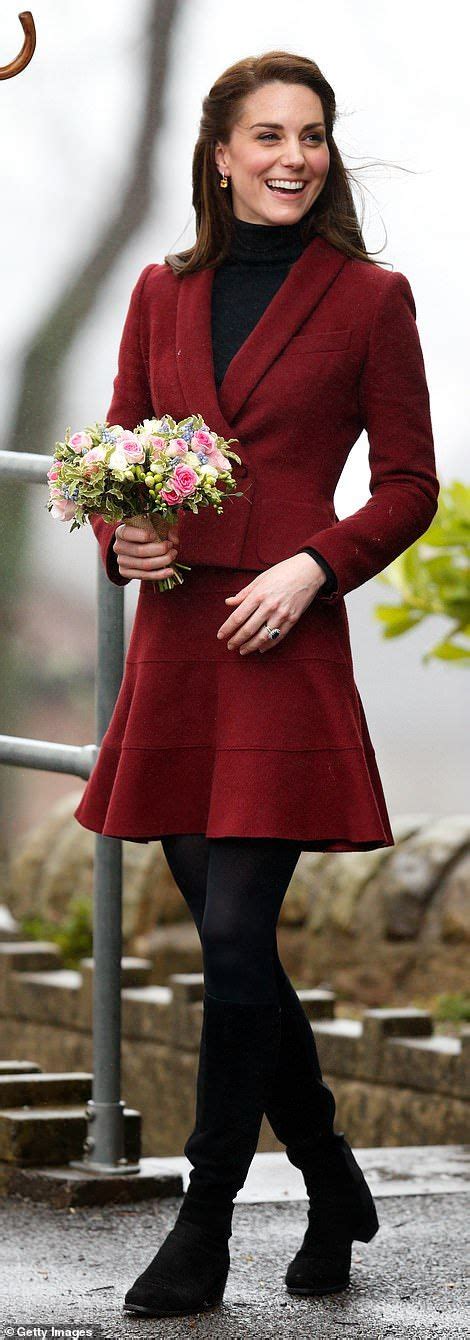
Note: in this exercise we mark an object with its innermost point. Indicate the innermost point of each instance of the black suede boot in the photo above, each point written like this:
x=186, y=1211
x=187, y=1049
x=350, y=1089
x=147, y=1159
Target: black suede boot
x=301, y=1110
x=237, y=1058
x=341, y=1209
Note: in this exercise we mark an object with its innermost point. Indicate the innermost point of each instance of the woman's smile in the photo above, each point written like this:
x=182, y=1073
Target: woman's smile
x=285, y=188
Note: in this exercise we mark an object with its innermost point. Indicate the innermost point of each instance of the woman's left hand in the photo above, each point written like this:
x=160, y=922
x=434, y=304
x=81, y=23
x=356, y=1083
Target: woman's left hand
x=278, y=597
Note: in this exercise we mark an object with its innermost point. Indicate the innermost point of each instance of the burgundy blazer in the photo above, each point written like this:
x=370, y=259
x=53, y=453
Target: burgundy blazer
x=336, y=351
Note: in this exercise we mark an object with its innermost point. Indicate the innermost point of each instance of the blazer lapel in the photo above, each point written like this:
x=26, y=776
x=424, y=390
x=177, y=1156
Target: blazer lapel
x=305, y=284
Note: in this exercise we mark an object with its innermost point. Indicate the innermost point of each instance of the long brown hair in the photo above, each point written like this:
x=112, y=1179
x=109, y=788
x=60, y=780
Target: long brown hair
x=332, y=215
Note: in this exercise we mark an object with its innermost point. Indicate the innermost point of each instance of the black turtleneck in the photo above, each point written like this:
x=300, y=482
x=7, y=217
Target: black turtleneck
x=260, y=257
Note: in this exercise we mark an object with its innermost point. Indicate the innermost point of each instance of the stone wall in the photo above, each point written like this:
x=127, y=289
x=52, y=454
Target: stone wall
x=395, y=1081
x=382, y=927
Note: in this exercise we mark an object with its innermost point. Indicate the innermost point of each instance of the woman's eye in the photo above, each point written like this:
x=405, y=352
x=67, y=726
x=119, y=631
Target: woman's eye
x=271, y=136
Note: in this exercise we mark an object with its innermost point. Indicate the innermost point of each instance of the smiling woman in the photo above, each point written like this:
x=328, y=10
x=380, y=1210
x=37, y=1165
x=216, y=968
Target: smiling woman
x=238, y=737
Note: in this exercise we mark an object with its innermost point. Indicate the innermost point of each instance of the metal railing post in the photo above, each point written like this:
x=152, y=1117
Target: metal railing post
x=104, y=1143
x=104, y=1146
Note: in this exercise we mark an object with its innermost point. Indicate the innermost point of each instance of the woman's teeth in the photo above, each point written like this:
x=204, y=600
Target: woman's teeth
x=285, y=186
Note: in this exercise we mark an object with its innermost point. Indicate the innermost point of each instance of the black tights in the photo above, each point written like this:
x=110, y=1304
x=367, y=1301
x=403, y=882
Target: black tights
x=234, y=888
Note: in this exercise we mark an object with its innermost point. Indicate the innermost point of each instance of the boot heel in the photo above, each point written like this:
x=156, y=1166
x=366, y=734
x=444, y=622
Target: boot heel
x=217, y=1292
x=366, y=1224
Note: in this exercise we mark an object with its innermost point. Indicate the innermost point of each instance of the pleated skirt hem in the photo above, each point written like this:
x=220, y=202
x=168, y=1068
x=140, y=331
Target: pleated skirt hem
x=238, y=803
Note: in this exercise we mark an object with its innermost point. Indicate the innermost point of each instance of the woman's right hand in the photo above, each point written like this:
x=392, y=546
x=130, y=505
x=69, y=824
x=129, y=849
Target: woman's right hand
x=141, y=555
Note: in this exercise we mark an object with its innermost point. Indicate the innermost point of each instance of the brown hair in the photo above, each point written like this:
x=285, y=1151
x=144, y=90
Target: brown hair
x=332, y=215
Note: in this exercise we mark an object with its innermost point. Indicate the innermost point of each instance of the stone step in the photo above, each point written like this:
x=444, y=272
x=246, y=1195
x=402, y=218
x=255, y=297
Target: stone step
x=19, y=1068
x=134, y=971
x=67, y=1186
x=9, y=928
x=52, y=1135
x=28, y=955
x=53, y=997
x=405, y=1022
x=37, y=1090
x=318, y=1002
x=24, y=956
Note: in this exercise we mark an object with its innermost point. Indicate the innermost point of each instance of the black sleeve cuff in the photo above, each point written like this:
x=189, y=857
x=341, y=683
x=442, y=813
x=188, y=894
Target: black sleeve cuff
x=331, y=584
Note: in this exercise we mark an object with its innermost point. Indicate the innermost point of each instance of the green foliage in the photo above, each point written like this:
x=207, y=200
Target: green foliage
x=433, y=577
x=74, y=937
x=455, y=1006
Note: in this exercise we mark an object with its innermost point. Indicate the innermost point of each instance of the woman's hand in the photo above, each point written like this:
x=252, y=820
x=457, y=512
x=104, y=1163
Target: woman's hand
x=139, y=555
x=278, y=597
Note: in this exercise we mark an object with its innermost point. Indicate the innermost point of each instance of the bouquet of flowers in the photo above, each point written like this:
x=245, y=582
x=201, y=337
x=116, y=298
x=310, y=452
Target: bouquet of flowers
x=143, y=477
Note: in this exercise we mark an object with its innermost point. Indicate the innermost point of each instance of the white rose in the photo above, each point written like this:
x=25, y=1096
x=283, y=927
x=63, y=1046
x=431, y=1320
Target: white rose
x=118, y=459
x=206, y=469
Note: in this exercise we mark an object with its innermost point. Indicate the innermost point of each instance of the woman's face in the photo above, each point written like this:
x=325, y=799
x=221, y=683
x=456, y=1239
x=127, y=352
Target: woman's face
x=292, y=150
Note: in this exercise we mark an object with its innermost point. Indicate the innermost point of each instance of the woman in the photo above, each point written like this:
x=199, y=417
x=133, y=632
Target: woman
x=283, y=332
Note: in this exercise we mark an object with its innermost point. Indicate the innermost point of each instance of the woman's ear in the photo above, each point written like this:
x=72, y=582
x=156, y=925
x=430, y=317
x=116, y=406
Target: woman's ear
x=219, y=157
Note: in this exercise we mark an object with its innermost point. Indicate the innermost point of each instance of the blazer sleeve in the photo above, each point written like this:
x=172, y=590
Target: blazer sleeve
x=395, y=411
x=131, y=403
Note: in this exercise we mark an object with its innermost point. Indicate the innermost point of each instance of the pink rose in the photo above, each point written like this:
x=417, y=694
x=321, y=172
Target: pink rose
x=218, y=459
x=63, y=509
x=54, y=471
x=185, y=479
x=132, y=448
x=153, y=441
x=171, y=496
x=92, y=460
x=202, y=441
x=81, y=441
x=181, y=445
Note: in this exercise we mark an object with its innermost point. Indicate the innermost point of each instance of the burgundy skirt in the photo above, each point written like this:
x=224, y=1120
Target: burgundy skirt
x=203, y=740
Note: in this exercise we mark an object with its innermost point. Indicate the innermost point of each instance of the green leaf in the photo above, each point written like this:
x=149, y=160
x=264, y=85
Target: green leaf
x=397, y=620
x=448, y=651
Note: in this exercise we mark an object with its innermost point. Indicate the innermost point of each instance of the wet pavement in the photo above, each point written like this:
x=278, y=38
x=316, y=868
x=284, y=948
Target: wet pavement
x=72, y=1268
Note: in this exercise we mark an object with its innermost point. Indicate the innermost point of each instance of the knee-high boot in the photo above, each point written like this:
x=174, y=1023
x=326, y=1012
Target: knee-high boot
x=301, y=1110
x=238, y=1054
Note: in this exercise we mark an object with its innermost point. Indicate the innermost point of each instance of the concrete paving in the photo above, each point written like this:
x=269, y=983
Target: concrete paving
x=398, y=1170
x=72, y=1268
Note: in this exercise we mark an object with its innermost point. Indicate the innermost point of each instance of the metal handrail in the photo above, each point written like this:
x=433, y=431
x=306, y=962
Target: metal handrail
x=78, y=760
x=103, y=1149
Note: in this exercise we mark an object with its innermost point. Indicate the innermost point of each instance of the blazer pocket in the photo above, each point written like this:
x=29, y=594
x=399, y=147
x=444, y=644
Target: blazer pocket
x=320, y=341
x=284, y=527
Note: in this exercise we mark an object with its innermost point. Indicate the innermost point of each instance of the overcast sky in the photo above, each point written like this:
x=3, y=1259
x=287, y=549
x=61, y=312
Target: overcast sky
x=400, y=74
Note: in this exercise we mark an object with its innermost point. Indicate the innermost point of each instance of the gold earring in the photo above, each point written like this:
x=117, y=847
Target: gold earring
x=223, y=180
